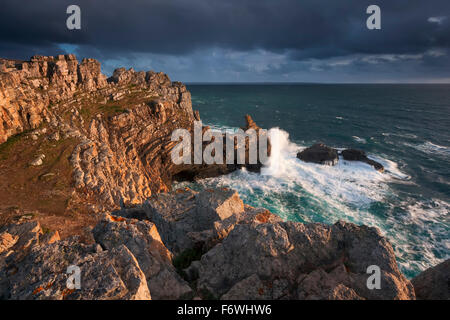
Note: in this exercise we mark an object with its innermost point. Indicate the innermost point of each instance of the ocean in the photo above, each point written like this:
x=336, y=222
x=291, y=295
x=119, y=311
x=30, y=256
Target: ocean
x=404, y=127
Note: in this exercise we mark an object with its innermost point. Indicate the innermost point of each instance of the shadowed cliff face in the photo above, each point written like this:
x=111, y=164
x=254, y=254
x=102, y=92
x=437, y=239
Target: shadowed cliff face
x=112, y=137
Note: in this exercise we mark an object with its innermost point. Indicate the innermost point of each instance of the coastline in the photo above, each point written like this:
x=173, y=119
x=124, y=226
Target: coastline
x=115, y=137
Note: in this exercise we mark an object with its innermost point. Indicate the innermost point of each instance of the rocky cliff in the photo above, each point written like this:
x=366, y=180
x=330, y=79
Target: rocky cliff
x=75, y=146
x=80, y=142
x=207, y=245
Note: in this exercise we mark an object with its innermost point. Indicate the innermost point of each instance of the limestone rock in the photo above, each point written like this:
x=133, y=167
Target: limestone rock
x=38, y=161
x=289, y=252
x=143, y=240
x=187, y=219
x=433, y=283
x=105, y=275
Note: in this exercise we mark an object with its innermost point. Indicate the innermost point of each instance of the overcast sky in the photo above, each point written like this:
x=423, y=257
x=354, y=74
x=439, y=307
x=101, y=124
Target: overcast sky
x=241, y=40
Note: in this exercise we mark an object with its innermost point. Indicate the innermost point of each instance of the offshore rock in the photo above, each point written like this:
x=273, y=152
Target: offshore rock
x=359, y=155
x=319, y=153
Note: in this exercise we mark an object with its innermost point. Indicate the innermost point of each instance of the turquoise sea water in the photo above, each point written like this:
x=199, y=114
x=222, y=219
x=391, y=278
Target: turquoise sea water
x=405, y=127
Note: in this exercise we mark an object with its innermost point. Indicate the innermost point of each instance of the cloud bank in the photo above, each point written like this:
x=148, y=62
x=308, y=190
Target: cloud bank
x=241, y=40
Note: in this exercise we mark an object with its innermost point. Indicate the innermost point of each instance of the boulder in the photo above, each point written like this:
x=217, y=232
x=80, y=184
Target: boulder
x=319, y=153
x=234, y=251
x=302, y=261
x=105, y=275
x=433, y=283
x=144, y=242
x=33, y=265
x=359, y=155
x=187, y=219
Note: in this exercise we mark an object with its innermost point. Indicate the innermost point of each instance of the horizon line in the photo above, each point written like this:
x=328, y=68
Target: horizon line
x=308, y=83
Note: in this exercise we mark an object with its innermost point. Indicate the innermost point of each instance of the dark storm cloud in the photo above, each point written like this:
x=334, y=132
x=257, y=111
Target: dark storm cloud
x=299, y=30
x=311, y=28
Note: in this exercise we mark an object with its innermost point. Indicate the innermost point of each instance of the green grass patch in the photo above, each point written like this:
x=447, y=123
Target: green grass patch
x=112, y=110
x=184, y=259
x=8, y=144
x=46, y=230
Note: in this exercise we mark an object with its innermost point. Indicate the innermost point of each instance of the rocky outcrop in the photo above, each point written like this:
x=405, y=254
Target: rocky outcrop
x=322, y=154
x=198, y=220
x=144, y=242
x=300, y=261
x=319, y=153
x=433, y=283
x=121, y=127
x=36, y=267
x=253, y=136
x=245, y=253
x=359, y=155
x=28, y=88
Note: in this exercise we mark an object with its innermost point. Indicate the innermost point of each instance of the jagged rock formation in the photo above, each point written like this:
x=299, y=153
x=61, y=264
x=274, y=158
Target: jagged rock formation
x=190, y=220
x=27, y=88
x=241, y=253
x=296, y=261
x=433, y=283
x=120, y=128
x=103, y=144
x=144, y=242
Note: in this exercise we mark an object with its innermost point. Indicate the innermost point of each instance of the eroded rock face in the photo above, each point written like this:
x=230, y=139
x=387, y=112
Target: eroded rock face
x=106, y=275
x=126, y=157
x=300, y=261
x=433, y=283
x=319, y=153
x=247, y=253
x=359, y=155
x=35, y=267
x=254, y=136
x=27, y=88
x=122, y=126
x=198, y=220
x=144, y=242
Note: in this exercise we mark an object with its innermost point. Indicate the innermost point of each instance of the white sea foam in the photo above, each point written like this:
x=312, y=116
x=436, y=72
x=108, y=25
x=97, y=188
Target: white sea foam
x=429, y=222
x=401, y=135
x=432, y=148
x=360, y=140
x=348, y=183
